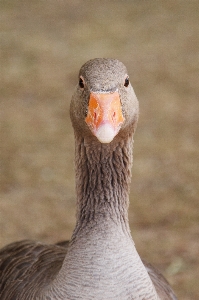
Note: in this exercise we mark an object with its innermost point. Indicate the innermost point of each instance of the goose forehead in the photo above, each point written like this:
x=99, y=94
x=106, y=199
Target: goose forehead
x=103, y=73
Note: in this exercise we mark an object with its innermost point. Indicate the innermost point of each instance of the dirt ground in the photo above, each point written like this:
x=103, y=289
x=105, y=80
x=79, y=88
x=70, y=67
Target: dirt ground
x=43, y=44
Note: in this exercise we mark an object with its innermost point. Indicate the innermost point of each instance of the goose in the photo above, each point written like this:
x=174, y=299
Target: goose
x=100, y=261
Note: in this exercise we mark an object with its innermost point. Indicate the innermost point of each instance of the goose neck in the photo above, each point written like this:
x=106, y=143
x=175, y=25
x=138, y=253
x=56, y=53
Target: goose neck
x=103, y=173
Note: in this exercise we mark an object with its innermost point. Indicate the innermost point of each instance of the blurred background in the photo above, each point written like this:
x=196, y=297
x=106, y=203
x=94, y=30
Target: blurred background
x=43, y=44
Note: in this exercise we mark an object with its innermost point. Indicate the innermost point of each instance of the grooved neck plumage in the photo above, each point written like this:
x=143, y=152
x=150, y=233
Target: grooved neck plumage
x=103, y=173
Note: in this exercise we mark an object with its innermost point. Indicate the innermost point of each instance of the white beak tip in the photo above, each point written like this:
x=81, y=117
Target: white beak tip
x=105, y=133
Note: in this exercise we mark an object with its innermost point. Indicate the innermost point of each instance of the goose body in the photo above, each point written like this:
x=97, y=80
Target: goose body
x=100, y=262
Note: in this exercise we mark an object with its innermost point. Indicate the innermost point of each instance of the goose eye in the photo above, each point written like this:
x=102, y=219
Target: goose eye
x=81, y=83
x=126, y=82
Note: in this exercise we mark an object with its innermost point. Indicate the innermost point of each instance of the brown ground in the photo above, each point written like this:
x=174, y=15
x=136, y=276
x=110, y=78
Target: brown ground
x=43, y=44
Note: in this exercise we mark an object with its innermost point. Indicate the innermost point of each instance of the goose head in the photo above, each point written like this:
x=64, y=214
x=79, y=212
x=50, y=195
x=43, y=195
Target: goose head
x=104, y=104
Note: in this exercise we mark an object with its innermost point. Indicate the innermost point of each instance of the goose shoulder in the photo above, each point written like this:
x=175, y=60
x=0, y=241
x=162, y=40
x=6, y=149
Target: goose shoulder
x=162, y=286
x=26, y=265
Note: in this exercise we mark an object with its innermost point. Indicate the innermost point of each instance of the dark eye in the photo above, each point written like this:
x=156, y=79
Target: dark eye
x=126, y=82
x=81, y=83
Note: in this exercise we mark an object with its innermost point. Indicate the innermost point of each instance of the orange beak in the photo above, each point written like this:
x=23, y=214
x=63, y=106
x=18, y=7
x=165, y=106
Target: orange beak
x=104, y=116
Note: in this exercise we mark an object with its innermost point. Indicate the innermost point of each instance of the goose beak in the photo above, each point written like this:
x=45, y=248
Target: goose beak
x=104, y=116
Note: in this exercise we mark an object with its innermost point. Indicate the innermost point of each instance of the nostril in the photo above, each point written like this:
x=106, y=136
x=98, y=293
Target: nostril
x=95, y=116
x=114, y=115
